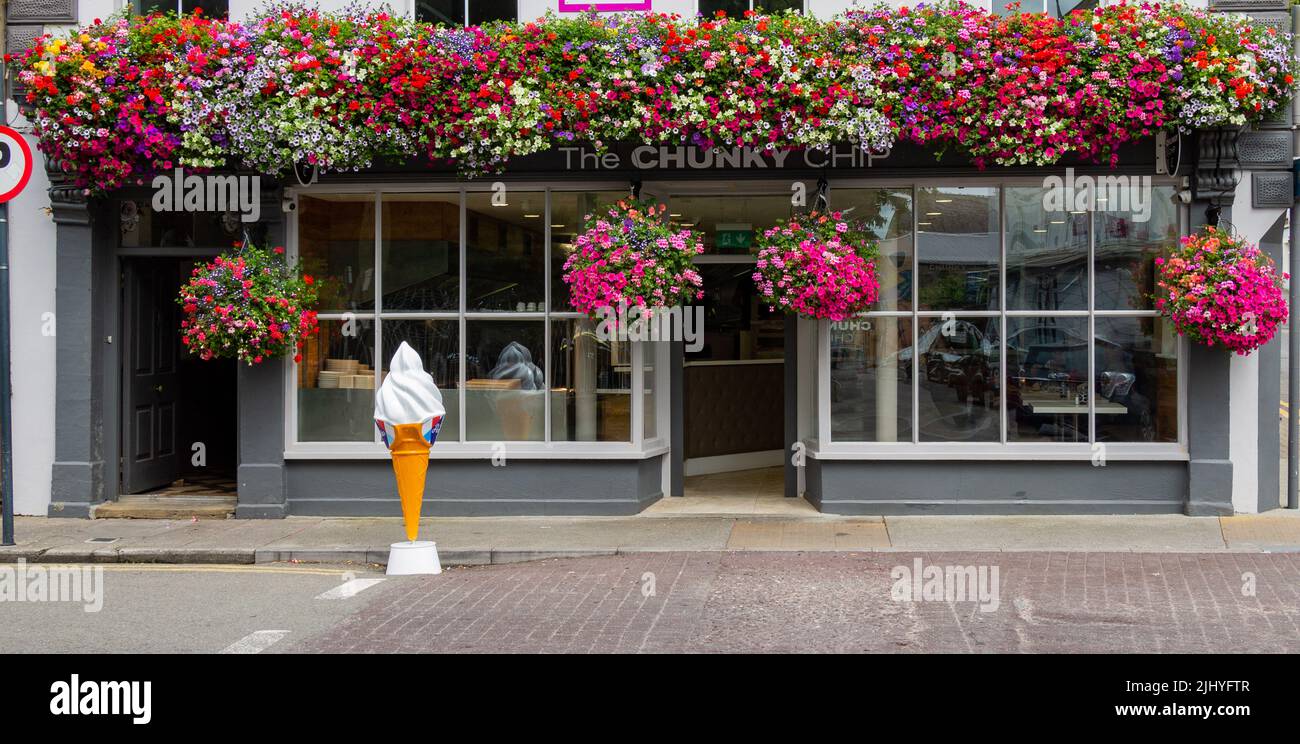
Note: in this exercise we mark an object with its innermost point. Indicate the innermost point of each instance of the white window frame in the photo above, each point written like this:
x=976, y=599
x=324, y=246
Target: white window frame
x=465, y=10
x=803, y=6
x=449, y=447
x=820, y=444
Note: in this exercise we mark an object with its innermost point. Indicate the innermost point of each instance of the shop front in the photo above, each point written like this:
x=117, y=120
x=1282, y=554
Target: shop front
x=1013, y=362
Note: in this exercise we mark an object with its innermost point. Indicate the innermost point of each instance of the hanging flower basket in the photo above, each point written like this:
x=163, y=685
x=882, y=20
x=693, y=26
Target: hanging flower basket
x=818, y=265
x=632, y=256
x=1219, y=290
x=248, y=305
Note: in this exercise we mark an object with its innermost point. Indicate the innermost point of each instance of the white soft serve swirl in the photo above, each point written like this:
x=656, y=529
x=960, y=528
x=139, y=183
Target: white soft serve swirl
x=408, y=394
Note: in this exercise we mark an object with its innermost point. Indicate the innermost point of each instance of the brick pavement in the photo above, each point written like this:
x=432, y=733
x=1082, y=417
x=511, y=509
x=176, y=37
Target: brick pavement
x=833, y=602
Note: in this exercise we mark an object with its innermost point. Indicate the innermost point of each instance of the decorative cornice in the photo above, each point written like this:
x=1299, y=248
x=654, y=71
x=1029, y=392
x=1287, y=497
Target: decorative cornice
x=69, y=205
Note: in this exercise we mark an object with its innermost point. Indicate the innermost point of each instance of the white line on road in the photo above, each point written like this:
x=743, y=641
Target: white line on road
x=255, y=643
x=348, y=589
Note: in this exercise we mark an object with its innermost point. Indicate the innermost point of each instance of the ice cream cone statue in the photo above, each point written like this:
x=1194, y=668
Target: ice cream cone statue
x=408, y=412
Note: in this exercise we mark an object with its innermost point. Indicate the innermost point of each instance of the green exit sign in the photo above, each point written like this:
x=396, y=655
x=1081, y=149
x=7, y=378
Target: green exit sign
x=734, y=236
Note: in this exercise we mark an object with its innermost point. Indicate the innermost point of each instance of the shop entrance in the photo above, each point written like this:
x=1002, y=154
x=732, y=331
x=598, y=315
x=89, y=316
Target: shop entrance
x=178, y=413
x=733, y=401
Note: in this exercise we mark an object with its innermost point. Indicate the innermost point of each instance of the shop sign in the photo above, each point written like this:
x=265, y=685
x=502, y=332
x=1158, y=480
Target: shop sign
x=690, y=157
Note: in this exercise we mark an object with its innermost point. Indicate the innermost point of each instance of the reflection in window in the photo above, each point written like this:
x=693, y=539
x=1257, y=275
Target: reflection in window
x=591, y=400
x=1047, y=254
x=1128, y=242
x=1047, y=379
x=569, y=212
x=336, y=242
x=437, y=342
x=505, y=252
x=649, y=421
x=871, y=380
x=421, y=252
x=887, y=213
x=958, y=248
x=505, y=380
x=210, y=8
x=336, y=383
x=1137, y=380
x=957, y=385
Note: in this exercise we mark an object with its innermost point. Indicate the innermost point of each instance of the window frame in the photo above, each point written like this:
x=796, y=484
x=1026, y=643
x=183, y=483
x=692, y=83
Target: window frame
x=465, y=9
x=803, y=6
x=822, y=445
x=455, y=447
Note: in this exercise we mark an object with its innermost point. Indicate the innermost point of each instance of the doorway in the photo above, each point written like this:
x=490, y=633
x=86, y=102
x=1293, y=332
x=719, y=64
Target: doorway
x=179, y=425
x=733, y=384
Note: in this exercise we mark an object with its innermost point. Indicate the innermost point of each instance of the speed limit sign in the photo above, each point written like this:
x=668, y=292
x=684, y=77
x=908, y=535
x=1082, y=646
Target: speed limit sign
x=15, y=163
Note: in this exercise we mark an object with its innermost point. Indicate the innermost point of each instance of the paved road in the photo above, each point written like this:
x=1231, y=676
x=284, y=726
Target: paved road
x=694, y=602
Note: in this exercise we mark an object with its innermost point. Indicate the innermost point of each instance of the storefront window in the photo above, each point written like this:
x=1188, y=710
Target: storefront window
x=1128, y=240
x=957, y=368
x=1137, y=380
x=958, y=248
x=871, y=379
x=465, y=12
x=421, y=252
x=504, y=362
x=505, y=380
x=888, y=214
x=505, y=266
x=336, y=383
x=737, y=8
x=569, y=212
x=591, y=400
x=437, y=341
x=1084, y=356
x=336, y=243
x=1047, y=254
x=1047, y=379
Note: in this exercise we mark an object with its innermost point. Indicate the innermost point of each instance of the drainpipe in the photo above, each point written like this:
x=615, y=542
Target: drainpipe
x=6, y=402
x=1293, y=356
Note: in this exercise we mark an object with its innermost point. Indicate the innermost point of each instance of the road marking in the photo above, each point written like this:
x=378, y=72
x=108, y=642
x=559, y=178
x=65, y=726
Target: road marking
x=255, y=643
x=348, y=589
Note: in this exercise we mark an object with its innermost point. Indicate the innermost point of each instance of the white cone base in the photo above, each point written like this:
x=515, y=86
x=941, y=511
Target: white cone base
x=413, y=558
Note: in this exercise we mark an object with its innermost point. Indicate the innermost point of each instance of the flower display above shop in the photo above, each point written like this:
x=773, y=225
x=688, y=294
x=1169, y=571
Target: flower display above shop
x=134, y=95
x=1219, y=290
x=818, y=265
x=248, y=304
x=633, y=256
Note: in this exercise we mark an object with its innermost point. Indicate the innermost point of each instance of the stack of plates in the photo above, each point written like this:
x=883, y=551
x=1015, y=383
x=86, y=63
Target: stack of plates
x=362, y=382
x=328, y=379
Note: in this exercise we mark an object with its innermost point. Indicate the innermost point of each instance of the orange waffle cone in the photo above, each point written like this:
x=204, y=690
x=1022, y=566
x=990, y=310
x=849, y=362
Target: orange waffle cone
x=410, y=463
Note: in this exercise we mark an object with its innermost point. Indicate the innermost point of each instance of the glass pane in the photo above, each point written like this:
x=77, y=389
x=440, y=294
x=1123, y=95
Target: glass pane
x=888, y=212
x=505, y=382
x=336, y=241
x=1128, y=242
x=736, y=324
x=958, y=247
x=486, y=11
x=421, y=256
x=733, y=8
x=437, y=342
x=141, y=226
x=958, y=369
x=1047, y=254
x=732, y=223
x=336, y=383
x=774, y=6
x=871, y=380
x=591, y=399
x=569, y=212
x=450, y=12
x=650, y=356
x=1137, y=380
x=1047, y=379
x=505, y=253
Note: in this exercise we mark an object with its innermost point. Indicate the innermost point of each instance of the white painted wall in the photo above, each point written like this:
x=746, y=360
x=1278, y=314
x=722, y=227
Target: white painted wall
x=1243, y=422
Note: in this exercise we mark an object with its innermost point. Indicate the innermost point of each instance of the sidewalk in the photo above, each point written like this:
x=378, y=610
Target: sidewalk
x=483, y=540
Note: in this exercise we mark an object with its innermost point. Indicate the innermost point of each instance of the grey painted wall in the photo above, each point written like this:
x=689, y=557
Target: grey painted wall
x=477, y=488
x=911, y=487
